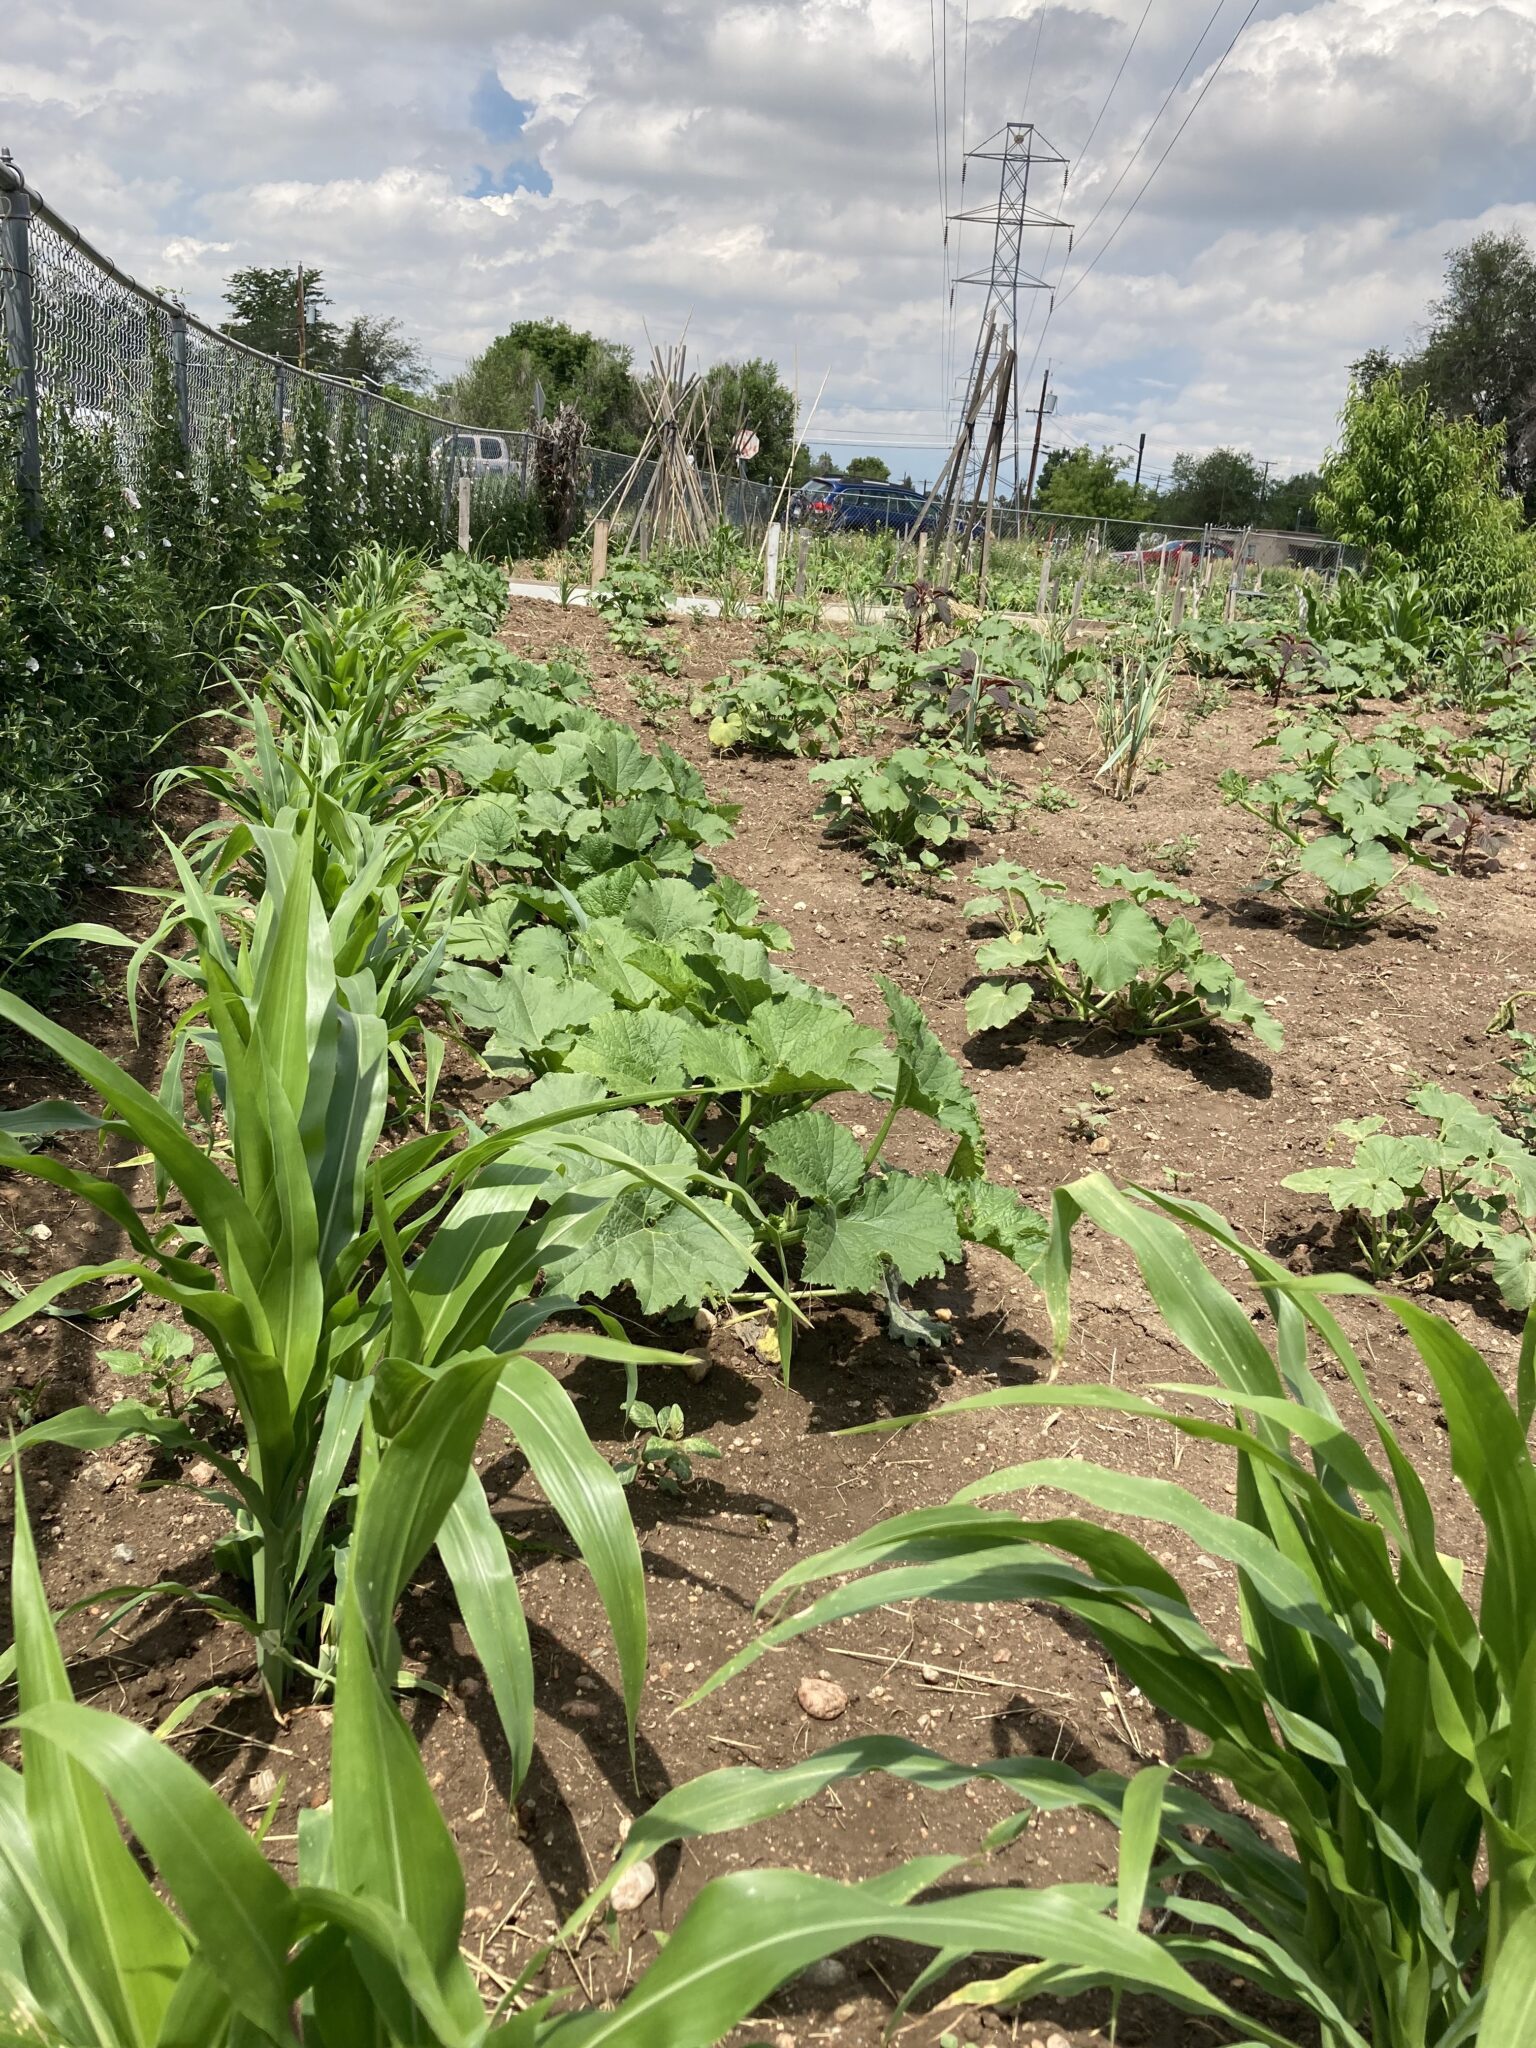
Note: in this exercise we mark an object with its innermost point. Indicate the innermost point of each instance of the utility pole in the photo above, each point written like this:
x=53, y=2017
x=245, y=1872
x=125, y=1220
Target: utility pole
x=1034, y=453
x=1141, y=449
x=1019, y=149
x=300, y=297
x=1263, y=489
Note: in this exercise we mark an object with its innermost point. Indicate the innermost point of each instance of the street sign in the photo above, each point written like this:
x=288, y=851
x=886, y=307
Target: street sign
x=746, y=445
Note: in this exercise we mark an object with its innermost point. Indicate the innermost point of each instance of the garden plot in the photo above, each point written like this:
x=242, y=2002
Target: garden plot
x=1220, y=1113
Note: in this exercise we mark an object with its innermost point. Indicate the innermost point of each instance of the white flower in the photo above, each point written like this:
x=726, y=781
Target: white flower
x=181, y=476
x=32, y=664
x=130, y=498
x=213, y=501
x=165, y=543
x=110, y=532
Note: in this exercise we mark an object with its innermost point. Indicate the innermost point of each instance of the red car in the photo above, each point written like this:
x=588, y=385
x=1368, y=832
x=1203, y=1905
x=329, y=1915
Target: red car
x=1174, y=550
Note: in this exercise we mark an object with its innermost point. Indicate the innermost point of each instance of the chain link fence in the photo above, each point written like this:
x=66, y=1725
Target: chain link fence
x=81, y=338
x=1139, y=544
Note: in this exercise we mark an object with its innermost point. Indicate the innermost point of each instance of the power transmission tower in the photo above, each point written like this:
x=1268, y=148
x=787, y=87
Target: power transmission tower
x=1025, y=158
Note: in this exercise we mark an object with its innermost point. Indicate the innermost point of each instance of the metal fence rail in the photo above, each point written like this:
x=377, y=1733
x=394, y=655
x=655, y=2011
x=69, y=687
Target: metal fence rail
x=80, y=335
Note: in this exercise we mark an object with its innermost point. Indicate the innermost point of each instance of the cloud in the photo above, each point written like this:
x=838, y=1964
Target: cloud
x=766, y=171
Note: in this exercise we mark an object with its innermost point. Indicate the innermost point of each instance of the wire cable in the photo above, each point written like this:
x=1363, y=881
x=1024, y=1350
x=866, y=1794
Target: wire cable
x=1108, y=244
x=1152, y=124
x=1113, y=83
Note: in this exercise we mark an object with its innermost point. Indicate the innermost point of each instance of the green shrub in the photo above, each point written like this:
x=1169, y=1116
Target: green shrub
x=1424, y=496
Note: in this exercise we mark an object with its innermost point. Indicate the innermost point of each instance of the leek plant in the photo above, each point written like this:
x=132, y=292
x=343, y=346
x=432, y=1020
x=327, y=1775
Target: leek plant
x=1134, y=694
x=1381, y=1712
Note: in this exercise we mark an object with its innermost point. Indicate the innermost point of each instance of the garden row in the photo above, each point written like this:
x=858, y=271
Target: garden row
x=430, y=852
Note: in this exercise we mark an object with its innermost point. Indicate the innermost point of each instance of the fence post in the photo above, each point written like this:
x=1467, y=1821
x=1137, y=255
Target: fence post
x=801, y=553
x=16, y=334
x=1045, y=583
x=771, y=560
x=179, y=378
x=1176, y=618
x=466, y=494
x=599, y=567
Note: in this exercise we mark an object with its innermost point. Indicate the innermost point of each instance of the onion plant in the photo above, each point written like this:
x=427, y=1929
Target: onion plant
x=1381, y=1713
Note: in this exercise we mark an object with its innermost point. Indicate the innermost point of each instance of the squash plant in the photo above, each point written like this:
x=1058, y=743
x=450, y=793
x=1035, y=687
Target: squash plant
x=1106, y=962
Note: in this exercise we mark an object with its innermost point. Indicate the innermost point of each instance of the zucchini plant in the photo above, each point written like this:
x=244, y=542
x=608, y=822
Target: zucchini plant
x=905, y=812
x=1107, y=962
x=1347, y=816
x=1455, y=1200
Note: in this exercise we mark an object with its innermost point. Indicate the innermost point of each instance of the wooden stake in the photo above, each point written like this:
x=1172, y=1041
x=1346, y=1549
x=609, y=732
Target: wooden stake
x=599, y=551
x=801, y=554
x=1045, y=584
x=466, y=492
x=771, y=560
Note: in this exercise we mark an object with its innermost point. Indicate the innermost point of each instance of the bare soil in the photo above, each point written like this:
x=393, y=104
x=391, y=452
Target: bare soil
x=1223, y=1119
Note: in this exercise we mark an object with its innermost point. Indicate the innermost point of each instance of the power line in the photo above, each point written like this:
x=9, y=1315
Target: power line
x=1151, y=125
x=943, y=207
x=1113, y=83
x=1199, y=96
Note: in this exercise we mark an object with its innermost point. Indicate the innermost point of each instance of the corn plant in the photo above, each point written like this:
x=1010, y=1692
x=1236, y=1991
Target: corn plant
x=1109, y=962
x=1460, y=1199
x=197, y=1939
x=1381, y=1716
x=328, y=1282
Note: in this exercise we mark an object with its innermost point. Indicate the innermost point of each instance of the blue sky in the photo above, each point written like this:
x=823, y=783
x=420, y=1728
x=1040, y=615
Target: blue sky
x=774, y=177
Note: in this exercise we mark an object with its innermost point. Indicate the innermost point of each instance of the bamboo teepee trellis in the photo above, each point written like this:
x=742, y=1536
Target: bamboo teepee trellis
x=670, y=492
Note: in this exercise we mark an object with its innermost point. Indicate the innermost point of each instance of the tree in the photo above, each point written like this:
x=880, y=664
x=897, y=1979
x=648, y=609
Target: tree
x=1424, y=494
x=266, y=309
x=752, y=394
x=869, y=469
x=379, y=350
x=1289, y=505
x=570, y=367
x=826, y=465
x=1224, y=488
x=1081, y=483
x=1478, y=361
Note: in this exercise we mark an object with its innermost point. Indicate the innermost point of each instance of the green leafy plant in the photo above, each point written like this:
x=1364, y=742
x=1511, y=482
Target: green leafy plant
x=1109, y=962
x=663, y=1451
x=1347, y=814
x=1175, y=855
x=1517, y=1104
x=776, y=710
x=178, y=1373
x=1456, y=1200
x=294, y=1270
x=1376, y=1715
x=908, y=809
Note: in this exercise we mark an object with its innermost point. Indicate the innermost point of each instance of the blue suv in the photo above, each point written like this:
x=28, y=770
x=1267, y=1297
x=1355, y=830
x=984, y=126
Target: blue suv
x=839, y=504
